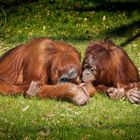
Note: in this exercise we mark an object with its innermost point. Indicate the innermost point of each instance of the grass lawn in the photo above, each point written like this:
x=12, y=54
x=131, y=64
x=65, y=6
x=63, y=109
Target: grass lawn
x=77, y=22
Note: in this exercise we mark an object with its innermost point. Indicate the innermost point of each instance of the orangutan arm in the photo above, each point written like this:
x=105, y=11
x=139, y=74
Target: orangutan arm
x=60, y=91
x=9, y=89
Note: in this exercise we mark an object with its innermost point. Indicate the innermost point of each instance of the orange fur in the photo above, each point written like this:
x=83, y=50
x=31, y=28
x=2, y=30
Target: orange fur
x=114, y=69
x=42, y=60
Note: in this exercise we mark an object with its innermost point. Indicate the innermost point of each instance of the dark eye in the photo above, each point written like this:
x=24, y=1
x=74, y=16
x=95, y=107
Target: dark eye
x=64, y=80
x=93, y=68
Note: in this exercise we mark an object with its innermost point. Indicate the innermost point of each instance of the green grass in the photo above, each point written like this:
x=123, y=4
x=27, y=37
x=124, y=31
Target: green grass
x=78, y=23
x=101, y=118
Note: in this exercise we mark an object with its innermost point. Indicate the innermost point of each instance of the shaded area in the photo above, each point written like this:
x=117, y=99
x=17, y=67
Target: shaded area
x=126, y=30
x=105, y=5
x=77, y=6
x=65, y=131
x=15, y=3
x=130, y=40
x=84, y=5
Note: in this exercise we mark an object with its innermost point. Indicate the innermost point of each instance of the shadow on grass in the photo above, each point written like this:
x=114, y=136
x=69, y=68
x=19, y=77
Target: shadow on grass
x=99, y=5
x=126, y=131
x=9, y=3
x=104, y=5
x=126, y=30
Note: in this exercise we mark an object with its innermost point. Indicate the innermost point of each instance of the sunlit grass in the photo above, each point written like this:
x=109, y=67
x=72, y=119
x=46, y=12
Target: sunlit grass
x=101, y=118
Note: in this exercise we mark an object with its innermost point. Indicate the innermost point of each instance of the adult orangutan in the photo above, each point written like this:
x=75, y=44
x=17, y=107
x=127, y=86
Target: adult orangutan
x=43, y=68
x=111, y=71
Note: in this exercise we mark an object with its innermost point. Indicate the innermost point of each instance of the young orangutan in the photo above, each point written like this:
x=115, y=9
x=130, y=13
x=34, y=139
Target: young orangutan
x=111, y=70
